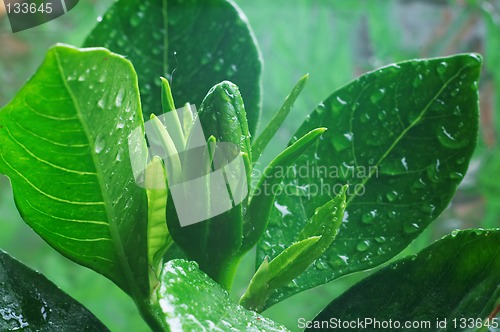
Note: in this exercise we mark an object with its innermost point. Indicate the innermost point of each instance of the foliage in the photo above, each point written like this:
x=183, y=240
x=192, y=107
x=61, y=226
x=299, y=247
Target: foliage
x=395, y=143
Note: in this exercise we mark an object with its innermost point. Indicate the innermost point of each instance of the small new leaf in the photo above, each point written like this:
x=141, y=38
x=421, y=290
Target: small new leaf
x=268, y=133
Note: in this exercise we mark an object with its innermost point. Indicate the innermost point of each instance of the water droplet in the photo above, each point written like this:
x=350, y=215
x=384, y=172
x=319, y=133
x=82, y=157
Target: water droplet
x=455, y=232
x=206, y=58
x=344, y=259
x=368, y=217
x=283, y=209
x=120, y=125
x=100, y=103
x=442, y=68
x=418, y=80
x=382, y=115
x=135, y=20
x=119, y=155
x=121, y=42
x=365, y=117
x=320, y=265
x=380, y=239
x=341, y=101
x=410, y=228
x=404, y=163
x=391, y=196
x=456, y=175
x=377, y=95
x=433, y=172
x=474, y=86
x=100, y=143
x=363, y=246
x=119, y=98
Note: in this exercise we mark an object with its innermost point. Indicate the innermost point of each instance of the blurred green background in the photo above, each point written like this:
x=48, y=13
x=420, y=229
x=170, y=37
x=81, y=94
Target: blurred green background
x=334, y=41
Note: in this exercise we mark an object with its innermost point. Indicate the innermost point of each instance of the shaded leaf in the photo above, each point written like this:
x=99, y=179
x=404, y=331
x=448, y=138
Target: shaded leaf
x=188, y=300
x=456, y=277
x=63, y=144
x=401, y=137
x=202, y=41
x=29, y=301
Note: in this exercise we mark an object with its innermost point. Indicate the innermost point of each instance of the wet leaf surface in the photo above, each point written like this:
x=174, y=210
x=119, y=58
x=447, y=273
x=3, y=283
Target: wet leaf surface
x=64, y=146
x=456, y=277
x=195, y=44
x=30, y=302
x=401, y=137
x=188, y=300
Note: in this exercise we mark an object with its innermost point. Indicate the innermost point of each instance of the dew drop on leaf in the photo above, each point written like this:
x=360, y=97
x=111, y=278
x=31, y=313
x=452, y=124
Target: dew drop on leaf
x=100, y=144
x=391, y=196
x=368, y=217
x=377, y=95
x=410, y=228
x=417, y=81
x=320, y=265
x=442, y=68
x=363, y=246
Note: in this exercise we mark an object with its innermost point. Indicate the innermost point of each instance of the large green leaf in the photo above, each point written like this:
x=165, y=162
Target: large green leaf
x=194, y=43
x=401, y=137
x=29, y=301
x=188, y=300
x=456, y=277
x=63, y=143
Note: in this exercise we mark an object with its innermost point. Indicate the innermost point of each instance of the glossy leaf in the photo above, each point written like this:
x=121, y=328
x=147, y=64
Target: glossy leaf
x=30, y=302
x=316, y=237
x=401, y=137
x=195, y=41
x=281, y=270
x=63, y=144
x=456, y=277
x=188, y=300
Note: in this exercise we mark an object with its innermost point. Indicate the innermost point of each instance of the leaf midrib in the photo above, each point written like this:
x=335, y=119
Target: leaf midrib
x=115, y=236
x=403, y=134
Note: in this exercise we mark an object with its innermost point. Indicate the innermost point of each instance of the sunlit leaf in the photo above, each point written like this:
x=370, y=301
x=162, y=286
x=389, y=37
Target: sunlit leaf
x=188, y=300
x=64, y=145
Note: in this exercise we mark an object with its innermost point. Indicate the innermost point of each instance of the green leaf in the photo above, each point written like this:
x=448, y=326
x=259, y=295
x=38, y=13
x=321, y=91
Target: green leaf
x=188, y=300
x=316, y=236
x=201, y=41
x=29, y=301
x=281, y=270
x=272, y=128
x=456, y=277
x=159, y=239
x=401, y=137
x=263, y=195
x=64, y=145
